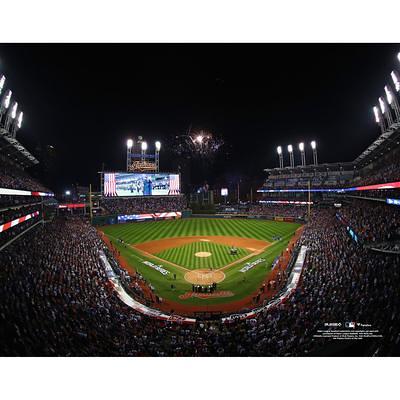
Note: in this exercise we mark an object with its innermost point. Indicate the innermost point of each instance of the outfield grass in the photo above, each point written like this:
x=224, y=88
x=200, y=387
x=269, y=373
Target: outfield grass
x=235, y=281
x=134, y=233
x=185, y=255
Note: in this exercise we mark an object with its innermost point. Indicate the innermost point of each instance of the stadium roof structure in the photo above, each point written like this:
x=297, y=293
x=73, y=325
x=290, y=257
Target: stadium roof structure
x=385, y=142
x=13, y=150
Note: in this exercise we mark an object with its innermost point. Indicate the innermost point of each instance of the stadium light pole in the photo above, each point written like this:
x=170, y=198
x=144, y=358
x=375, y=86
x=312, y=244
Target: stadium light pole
x=2, y=82
x=291, y=157
x=157, y=155
x=129, y=145
x=11, y=115
x=144, y=148
x=7, y=100
x=302, y=154
x=396, y=80
x=392, y=101
x=314, y=151
x=385, y=111
x=17, y=124
x=280, y=155
x=379, y=118
x=4, y=106
x=20, y=119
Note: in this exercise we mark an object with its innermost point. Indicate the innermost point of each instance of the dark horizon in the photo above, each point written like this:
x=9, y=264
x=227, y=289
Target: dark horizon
x=87, y=99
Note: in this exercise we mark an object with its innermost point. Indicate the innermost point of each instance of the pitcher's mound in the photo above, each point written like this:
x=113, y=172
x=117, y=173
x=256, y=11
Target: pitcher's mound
x=202, y=254
x=204, y=277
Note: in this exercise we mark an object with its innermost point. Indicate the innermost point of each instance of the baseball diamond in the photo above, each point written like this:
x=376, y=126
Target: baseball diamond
x=197, y=251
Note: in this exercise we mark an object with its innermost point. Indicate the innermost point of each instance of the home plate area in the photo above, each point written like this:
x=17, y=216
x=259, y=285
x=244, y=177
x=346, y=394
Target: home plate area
x=204, y=277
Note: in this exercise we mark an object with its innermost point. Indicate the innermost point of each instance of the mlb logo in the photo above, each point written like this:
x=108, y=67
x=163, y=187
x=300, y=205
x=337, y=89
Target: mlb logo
x=350, y=324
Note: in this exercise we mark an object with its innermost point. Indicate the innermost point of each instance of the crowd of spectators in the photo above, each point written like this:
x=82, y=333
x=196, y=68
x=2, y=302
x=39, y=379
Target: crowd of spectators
x=11, y=213
x=13, y=232
x=373, y=221
x=56, y=300
x=388, y=173
x=13, y=177
x=377, y=194
x=278, y=210
x=142, y=205
x=7, y=201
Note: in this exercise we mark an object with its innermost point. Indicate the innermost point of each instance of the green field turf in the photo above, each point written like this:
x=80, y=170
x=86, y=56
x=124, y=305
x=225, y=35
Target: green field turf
x=235, y=281
x=134, y=233
x=185, y=255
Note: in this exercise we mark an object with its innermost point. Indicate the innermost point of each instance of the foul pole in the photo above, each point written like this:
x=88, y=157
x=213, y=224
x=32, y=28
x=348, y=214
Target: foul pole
x=309, y=200
x=90, y=203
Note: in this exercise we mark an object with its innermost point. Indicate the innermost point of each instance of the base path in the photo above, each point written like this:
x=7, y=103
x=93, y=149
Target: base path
x=204, y=277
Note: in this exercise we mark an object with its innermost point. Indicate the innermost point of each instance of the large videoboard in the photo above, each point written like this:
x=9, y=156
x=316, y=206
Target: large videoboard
x=118, y=184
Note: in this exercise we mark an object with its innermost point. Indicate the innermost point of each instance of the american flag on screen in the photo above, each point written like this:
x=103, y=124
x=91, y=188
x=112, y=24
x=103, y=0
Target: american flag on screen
x=174, y=185
x=110, y=186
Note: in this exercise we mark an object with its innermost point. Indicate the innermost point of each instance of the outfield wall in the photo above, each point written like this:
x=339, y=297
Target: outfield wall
x=250, y=216
x=121, y=219
x=101, y=220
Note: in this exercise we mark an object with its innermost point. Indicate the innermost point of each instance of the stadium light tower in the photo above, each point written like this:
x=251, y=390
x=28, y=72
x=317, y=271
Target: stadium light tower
x=14, y=110
x=302, y=154
x=20, y=119
x=314, y=152
x=11, y=115
x=3, y=101
x=291, y=157
x=17, y=124
x=280, y=155
x=391, y=99
x=385, y=111
x=2, y=82
x=379, y=118
x=157, y=155
x=129, y=145
x=144, y=149
x=396, y=80
x=7, y=99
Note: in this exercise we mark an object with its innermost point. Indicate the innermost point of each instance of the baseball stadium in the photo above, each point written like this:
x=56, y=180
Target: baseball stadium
x=182, y=242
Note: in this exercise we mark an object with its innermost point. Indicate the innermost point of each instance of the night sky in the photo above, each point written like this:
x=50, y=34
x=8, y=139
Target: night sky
x=86, y=100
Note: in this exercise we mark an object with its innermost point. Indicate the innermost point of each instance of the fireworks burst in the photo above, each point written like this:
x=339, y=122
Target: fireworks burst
x=198, y=143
